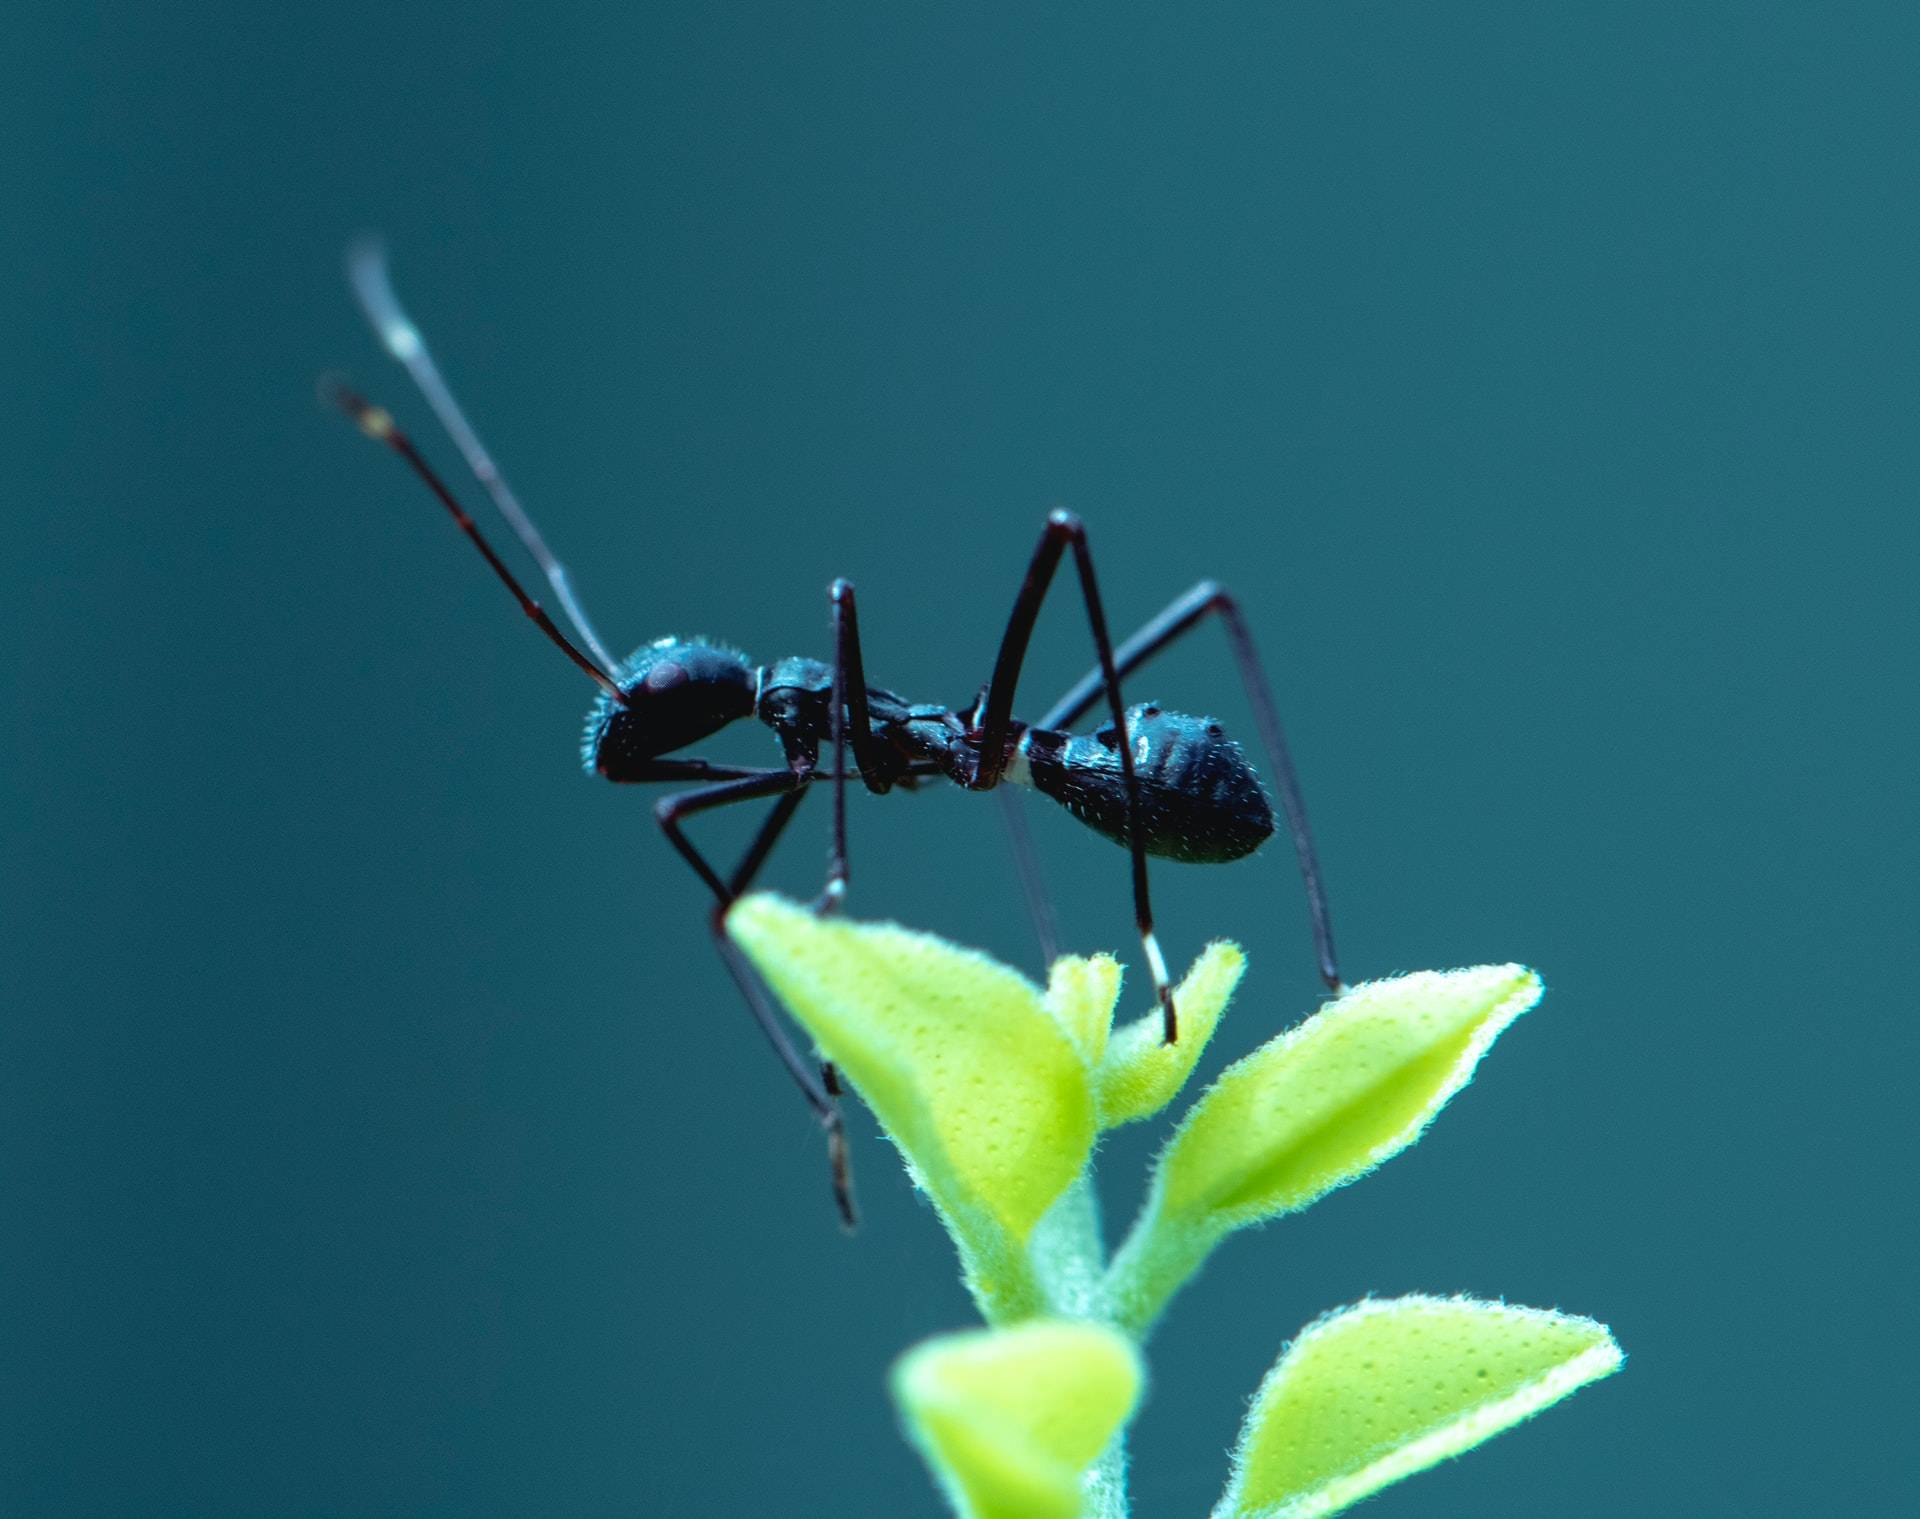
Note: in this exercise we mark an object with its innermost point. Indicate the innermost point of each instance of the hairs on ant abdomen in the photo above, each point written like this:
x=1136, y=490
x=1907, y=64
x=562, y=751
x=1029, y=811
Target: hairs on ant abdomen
x=1156, y=782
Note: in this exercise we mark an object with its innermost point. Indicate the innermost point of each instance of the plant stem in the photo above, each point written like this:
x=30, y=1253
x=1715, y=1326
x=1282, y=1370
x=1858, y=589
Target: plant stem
x=1068, y=1254
x=1106, y=1482
x=1156, y=1261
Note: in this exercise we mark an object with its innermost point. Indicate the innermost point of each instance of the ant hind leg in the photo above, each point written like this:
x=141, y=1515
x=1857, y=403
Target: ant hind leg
x=1033, y=884
x=995, y=717
x=1181, y=616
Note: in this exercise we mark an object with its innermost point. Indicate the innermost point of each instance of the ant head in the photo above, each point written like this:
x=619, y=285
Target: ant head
x=677, y=692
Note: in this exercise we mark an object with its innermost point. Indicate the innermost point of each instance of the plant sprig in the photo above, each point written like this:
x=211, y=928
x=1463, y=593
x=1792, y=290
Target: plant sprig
x=996, y=1090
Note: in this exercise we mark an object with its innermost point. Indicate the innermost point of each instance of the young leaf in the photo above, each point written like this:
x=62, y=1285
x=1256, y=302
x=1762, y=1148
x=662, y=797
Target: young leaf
x=988, y=1098
x=1141, y=1072
x=1080, y=995
x=1009, y=1420
x=1376, y=1392
x=1309, y=1111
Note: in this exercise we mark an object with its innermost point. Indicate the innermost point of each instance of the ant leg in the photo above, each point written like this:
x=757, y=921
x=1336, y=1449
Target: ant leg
x=819, y=1094
x=849, y=713
x=691, y=770
x=1210, y=598
x=668, y=812
x=995, y=716
x=742, y=878
x=1033, y=885
x=782, y=813
x=743, y=874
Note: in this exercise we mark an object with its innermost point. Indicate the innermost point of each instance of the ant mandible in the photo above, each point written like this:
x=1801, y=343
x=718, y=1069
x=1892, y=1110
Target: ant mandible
x=1157, y=782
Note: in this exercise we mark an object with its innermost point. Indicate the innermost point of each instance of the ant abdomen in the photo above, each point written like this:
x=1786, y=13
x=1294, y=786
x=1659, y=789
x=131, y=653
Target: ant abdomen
x=678, y=691
x=1200, y=798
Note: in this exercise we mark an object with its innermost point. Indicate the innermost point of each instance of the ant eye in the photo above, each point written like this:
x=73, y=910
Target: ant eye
x=666, y=675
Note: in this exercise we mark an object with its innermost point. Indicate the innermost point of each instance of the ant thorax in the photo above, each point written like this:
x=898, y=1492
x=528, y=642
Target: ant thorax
x=796, y=700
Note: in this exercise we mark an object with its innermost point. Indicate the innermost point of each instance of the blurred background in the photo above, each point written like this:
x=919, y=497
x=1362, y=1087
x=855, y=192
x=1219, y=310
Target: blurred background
x=378, y=1132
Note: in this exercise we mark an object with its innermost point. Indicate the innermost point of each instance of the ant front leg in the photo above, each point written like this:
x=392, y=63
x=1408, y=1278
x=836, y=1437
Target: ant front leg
x=1209, y=598
x=669, y=811
x=789, y=786
x=996, y=717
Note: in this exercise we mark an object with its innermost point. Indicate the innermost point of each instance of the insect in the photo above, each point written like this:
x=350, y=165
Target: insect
x=1158, y=782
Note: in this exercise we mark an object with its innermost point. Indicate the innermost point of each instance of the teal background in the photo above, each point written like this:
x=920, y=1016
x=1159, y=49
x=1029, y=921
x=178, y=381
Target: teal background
x=378, y=1134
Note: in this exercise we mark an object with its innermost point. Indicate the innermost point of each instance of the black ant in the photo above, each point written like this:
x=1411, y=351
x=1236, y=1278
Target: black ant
x=1157, y=782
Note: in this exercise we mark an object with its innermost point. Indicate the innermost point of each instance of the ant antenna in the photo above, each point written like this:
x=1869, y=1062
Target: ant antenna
x=373, y=288
x=377, y=423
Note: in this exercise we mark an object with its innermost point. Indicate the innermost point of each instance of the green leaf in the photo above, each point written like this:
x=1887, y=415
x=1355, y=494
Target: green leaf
x=1379, y=1391
x=1009, y=1420
x=1309, y=1111
x=1328, y=1101
x=986, y=1095
x=1140, y=1072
